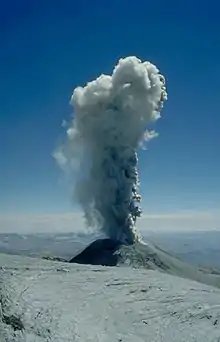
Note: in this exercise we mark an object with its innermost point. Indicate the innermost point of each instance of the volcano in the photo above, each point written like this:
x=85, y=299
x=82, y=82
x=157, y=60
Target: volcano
x=109, y=252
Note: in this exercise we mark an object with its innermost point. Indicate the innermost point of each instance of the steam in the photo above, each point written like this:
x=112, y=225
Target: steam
x=111, y=116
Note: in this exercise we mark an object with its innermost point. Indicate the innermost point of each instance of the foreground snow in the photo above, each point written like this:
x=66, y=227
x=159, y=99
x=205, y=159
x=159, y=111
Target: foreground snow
x=62, y=302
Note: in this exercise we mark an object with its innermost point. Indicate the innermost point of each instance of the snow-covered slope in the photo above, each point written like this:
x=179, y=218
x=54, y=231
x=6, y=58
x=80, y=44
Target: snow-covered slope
x=150, y=256
x=60, y=302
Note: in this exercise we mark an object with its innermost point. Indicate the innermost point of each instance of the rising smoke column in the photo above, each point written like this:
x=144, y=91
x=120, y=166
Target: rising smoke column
x=111, y=116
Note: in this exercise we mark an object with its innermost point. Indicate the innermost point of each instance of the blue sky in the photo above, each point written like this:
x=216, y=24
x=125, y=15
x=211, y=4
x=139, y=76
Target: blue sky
x=49, y=47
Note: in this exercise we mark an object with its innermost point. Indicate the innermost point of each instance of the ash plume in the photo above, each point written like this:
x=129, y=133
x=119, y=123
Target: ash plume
x=111, y=116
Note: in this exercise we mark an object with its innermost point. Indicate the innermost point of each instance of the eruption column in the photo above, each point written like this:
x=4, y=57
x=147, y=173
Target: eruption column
x=111, y=115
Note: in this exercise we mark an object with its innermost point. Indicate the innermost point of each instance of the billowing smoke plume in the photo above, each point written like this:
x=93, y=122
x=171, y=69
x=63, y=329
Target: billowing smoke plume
x=111, y=116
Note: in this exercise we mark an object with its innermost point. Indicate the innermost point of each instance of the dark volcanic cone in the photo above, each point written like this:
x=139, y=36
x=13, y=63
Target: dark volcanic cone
x=109, y=252
x=100, y=252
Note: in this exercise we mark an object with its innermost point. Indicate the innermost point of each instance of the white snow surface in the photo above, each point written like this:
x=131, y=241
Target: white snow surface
x=62, y=302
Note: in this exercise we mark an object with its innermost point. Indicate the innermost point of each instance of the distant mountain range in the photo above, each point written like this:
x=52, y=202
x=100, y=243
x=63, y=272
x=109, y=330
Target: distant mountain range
x=198, y=248
x=61, y=245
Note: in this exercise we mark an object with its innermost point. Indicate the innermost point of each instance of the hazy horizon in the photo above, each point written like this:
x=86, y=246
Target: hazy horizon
x=74, y=222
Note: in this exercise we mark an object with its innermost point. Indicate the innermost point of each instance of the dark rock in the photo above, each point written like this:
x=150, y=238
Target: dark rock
x=13, y=321
x=53, y=258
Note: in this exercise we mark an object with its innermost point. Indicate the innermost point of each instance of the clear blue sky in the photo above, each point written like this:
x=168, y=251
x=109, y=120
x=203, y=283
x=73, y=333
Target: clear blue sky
x=49, y=47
